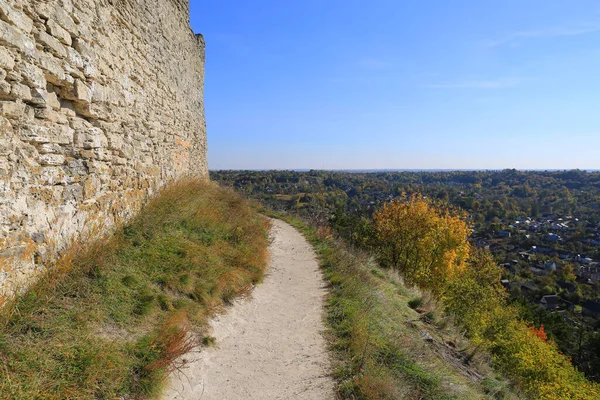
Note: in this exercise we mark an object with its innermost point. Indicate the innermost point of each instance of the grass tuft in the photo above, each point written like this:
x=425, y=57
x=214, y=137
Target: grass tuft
x=415, y=303
x=209, y=341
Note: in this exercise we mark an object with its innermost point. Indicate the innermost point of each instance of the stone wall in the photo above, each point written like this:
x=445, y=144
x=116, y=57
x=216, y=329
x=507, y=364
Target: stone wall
x=101, y=102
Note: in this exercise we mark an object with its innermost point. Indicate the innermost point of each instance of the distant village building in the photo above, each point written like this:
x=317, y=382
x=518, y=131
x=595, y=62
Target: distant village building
x=550, y=266
x=553, y=237
x=510, y=267
x=541, y=250
x=564, y=256
x=504, y=234
x=591, y=308
x=593, y=242
x=550, y=302
x=567, y=286
x=525, y=256
x=538, y=270
x=588, y=272
x=525, y=287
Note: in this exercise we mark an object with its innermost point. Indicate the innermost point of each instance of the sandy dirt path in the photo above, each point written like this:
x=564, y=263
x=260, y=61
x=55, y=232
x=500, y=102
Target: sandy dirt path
x=269, y=346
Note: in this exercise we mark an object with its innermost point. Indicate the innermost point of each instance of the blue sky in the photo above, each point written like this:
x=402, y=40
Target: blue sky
x=401, y=84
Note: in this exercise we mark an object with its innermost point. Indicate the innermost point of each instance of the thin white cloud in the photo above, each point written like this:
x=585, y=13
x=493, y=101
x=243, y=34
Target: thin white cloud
x=515, y=37
x=485, y=84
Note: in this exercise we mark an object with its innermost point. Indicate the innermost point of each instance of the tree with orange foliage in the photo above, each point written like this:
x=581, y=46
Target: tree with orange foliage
x=539, y=332
x=427, y=245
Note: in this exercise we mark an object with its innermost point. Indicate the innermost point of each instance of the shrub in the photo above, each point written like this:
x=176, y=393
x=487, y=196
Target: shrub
x=415, y=303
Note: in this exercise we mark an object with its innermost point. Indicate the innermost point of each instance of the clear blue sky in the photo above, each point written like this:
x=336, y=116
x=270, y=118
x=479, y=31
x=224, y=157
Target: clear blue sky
x=401, y=84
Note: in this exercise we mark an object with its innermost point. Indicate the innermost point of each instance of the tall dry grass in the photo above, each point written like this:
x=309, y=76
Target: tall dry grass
x=112, y=317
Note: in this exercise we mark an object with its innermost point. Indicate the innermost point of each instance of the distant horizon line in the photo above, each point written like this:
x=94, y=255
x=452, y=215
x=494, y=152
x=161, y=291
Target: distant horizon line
x=407, y=169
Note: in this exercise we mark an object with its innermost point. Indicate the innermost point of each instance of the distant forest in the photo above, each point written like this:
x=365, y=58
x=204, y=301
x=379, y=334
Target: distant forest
x=488, y=196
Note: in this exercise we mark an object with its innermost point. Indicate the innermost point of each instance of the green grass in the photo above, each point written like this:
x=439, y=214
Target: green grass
x=379, y=340
x=113, y=316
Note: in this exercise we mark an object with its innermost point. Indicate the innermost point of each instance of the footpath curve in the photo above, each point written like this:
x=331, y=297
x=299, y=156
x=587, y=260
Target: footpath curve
x=269, y=346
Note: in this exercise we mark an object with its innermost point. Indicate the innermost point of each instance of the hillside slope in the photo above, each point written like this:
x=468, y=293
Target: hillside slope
x=384, y=348
x=112, y=317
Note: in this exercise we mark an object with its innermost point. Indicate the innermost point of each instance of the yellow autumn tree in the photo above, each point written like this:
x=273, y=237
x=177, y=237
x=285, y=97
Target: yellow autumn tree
x=536, y=364
x=429, y=246
x=426, y=244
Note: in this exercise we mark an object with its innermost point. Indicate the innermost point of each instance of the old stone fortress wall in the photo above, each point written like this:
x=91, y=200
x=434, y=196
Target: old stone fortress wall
x=101, y=103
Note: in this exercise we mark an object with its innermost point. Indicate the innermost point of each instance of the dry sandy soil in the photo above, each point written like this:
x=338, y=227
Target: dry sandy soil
x=269, y=346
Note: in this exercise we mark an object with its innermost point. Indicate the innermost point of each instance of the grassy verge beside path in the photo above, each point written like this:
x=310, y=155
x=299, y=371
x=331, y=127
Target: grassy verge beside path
x=383, y=348
x=112, y=317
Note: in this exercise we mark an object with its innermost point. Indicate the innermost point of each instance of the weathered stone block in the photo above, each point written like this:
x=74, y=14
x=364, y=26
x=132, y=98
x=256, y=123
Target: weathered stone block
x=67, y=107
x=77, y=167
x=42, y=134
x=38, y=96
x=84, y=49
x=6, y=129
x=15, y=17
x=64, y=135
x=53, y=44
x=11, y=109
x=73, y=193
x=65, y=20
x=87, y=154
x=50, y=115
x=53, y=71
x=29, y=114
x=12, y=76
x=52, y=101
x=119, y=161
x=58, y=32
x=75, y=58
x=90, y=71
x=5, y=90
x=52, y=159
x=92, y=138
x=91, y=186
x=11, y=36
x=20, y=91
x=35, y=134
x=73, y=71
x=53, y=175
x=7, y=61
x=49, y=148
x=98, y=93
x=33, y=76
x=82, y=92
x=115, y=141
